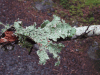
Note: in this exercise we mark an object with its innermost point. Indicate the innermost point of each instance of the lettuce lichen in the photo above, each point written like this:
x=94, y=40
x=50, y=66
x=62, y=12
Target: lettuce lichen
x=49, y=30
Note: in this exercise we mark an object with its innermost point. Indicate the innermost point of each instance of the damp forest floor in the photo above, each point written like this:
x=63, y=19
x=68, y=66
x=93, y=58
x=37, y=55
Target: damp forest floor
x=74, y=57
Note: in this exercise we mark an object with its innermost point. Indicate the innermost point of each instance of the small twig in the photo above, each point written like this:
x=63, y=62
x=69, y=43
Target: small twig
x=30, y=50
x=87, y=29
x=84, y=35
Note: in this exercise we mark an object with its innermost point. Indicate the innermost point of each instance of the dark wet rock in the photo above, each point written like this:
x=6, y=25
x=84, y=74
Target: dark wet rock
x=47, y=6
x=52, y=10
x=92, y=51
x=49, y=14
x=43, y=6
x=39, y=6
x=43, y=11
x=65, y=67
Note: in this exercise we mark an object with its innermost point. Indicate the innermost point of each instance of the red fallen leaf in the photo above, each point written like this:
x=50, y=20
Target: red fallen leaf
x=9, y=37
x=2, y=40
x=9, y=33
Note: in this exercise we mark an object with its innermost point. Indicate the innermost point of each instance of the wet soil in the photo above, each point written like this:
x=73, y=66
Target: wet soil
x=74, y=57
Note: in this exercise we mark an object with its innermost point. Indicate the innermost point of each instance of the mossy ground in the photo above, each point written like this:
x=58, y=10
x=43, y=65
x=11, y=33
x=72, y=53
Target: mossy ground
x=78, y=8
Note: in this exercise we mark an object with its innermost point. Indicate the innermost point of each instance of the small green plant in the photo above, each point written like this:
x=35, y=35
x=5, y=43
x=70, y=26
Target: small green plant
x=64, y=3
x=84, y=20
x=55, y=11
x=62, y=14
x=90, y=2
x=91, y=19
